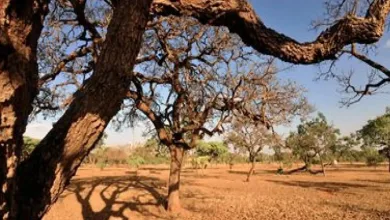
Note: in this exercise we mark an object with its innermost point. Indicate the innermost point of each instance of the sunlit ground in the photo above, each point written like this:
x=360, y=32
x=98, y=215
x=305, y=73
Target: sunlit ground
x=347, y=192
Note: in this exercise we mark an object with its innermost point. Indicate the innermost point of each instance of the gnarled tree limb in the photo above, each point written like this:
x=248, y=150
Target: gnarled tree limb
x=240, y=18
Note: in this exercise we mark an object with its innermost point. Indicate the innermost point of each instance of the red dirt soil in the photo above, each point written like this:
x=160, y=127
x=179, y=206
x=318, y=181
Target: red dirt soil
x=347, y=192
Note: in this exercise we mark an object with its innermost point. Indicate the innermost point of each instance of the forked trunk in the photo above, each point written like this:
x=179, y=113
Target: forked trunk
x=251, y=171
x=173, y=202
x=45, y=174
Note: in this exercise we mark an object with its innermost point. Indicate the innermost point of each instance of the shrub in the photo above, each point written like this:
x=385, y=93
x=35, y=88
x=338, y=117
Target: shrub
x=373, y=158
x=135, y=161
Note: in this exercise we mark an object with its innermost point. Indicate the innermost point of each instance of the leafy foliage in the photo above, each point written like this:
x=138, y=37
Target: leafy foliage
x=214, y=149
x=376, y=133
x=29, y=146
x=313, y=139
x=342, y=150
x=373, y=158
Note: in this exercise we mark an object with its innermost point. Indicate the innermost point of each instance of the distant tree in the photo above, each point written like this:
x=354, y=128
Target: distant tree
x=116, y=155
x=342, y=149
x=92, y=158
x=372, y=156
x=313, y=139
x=376, y=133
x=29, y=146
x=196, y=82
x=285, y=158
x=215, y=150
x=250, y=138
x=101, y=158
x=155, y=145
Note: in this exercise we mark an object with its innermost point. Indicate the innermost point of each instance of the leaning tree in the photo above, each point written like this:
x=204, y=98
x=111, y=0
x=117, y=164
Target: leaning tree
x=376, y=133
x=103, y=80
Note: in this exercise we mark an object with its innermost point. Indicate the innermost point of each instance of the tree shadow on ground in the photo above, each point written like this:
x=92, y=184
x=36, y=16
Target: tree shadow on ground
x=154, y=168
x=374, y=181
x=351, y=208
x=257, y=172
x=340, y=169
x=113, y=191
x=329, y=187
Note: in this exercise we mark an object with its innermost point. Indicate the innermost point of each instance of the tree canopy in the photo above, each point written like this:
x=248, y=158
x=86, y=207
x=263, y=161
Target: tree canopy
x=313, y=139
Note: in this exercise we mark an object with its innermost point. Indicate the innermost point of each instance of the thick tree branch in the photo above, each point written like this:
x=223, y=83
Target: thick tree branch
x=240, y=18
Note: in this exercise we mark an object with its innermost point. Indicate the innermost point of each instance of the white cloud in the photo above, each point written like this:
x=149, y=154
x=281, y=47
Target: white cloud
x=387, y=44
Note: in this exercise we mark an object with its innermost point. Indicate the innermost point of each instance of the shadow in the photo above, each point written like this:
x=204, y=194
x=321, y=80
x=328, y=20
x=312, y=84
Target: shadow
x=257, y=172
x=133, y=193
x=350, y=208
x=329, y=187
x=339, y=169
x=154, y=168
x=374, y=181
x=134, y=173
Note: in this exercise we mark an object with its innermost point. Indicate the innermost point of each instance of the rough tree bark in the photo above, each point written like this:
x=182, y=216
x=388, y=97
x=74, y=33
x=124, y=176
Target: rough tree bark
x=20, y=27
x=173, y=201
x=60, y=153
x=240, y=18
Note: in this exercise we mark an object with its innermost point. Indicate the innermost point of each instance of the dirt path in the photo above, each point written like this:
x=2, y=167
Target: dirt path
x=345, y=193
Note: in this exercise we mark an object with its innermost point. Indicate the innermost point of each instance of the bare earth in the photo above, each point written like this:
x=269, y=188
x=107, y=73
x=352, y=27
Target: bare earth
x=347, y=192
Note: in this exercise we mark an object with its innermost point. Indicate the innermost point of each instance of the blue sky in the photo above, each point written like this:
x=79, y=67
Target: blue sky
x=291, y=18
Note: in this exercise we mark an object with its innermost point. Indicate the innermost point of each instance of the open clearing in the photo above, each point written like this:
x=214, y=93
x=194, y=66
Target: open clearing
x=347, y=192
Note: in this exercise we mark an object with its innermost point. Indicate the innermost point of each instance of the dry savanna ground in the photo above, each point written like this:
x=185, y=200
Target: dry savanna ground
x=347, y=192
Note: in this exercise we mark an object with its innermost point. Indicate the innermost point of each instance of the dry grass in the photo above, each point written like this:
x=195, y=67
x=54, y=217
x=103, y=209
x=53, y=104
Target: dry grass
x=347, y=192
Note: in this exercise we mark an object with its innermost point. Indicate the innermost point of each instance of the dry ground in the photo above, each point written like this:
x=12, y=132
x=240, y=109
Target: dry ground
x=347, y=192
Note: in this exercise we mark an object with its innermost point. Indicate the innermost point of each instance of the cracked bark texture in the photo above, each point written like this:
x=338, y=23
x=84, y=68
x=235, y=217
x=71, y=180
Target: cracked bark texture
x=20, y=25
x=240, y=18
x=60, y=153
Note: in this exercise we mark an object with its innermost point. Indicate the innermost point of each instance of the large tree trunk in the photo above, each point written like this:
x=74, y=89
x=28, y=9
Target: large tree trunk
x=251, y=170
x=173, y=201
x=20, y=28
x=43, y=176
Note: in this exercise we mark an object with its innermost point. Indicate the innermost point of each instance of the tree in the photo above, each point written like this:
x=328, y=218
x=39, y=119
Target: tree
x=215, y=150
x=344, y=146
x=376, y=133
x=372, y=156
x=190, y=88
x=313, y=139
x=155, y=145
x=240, y=17
x=57, y=157
x=109, y=64
x=250, y=138
x=29, y=145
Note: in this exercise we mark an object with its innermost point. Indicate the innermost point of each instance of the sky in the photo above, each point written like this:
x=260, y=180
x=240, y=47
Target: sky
x=291, y=18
